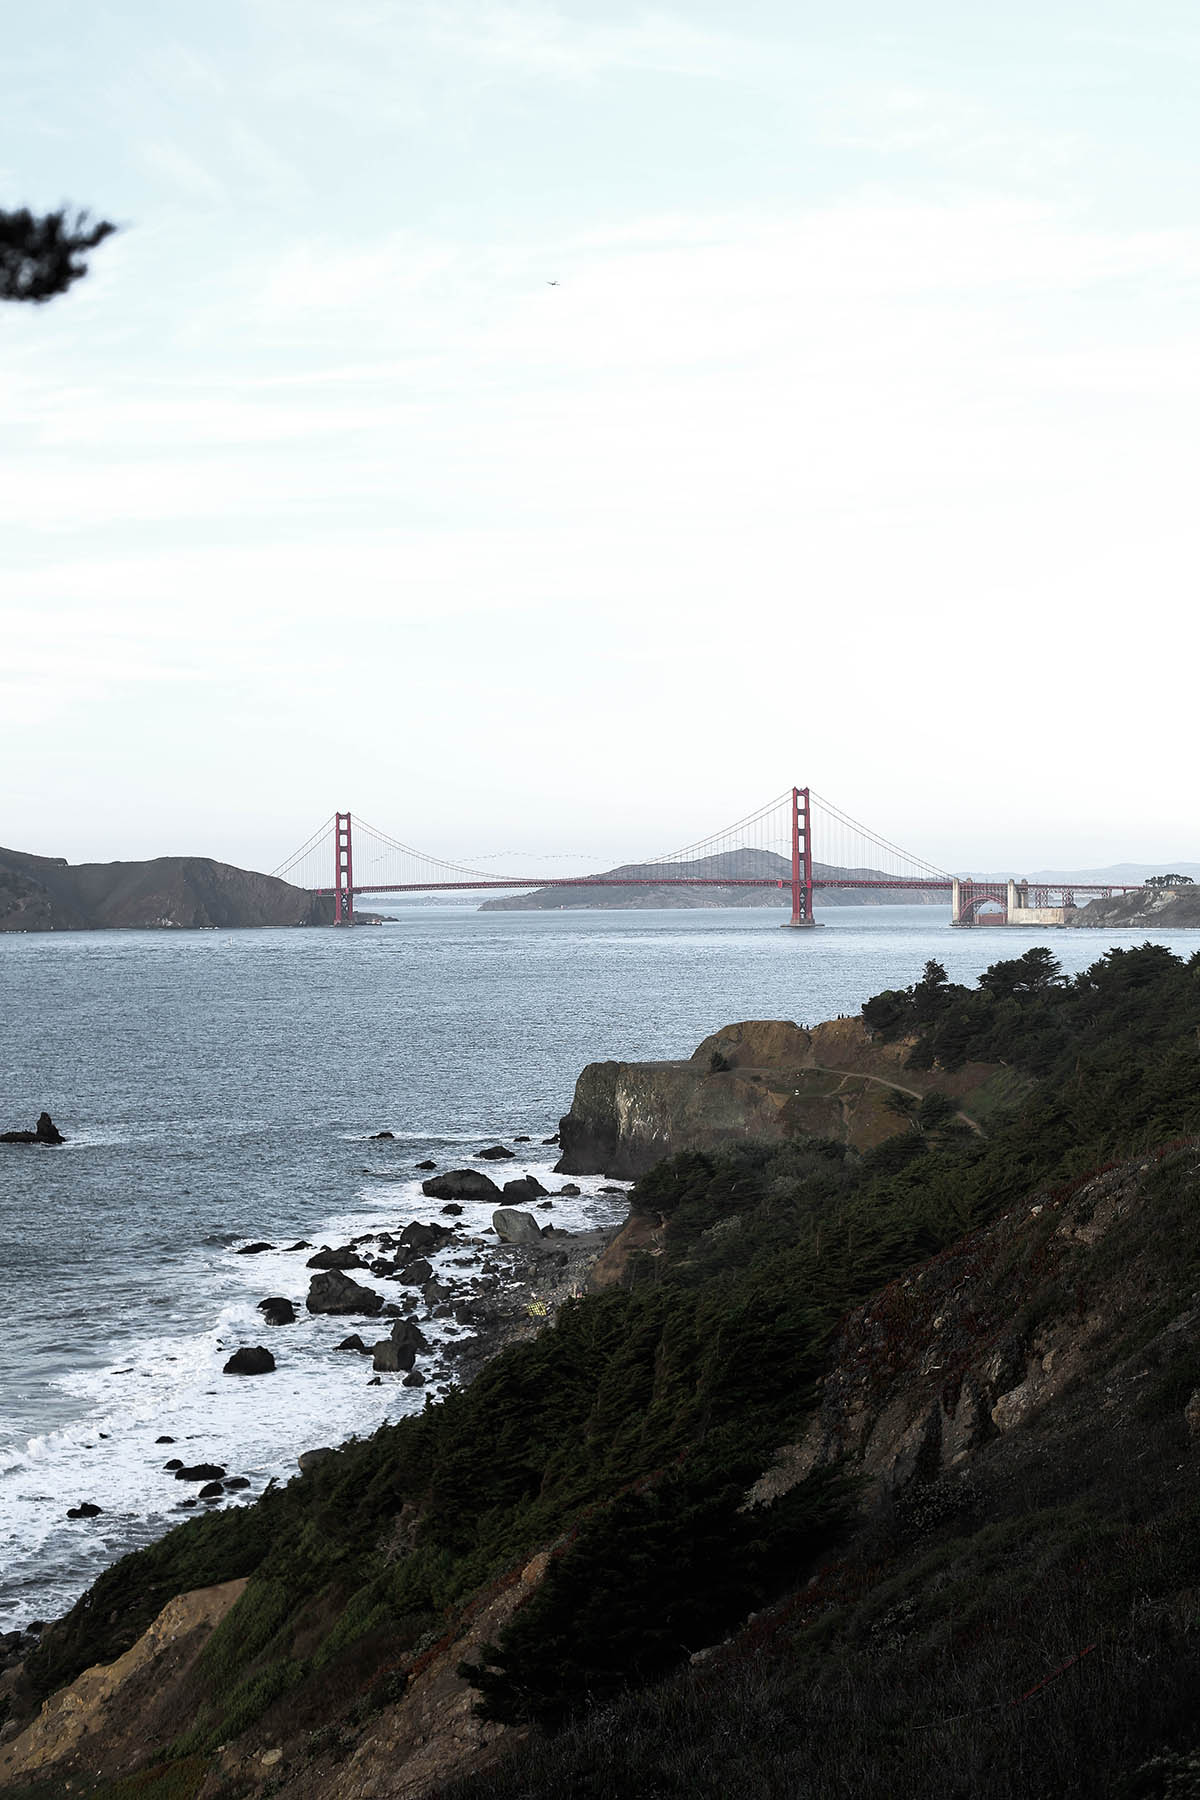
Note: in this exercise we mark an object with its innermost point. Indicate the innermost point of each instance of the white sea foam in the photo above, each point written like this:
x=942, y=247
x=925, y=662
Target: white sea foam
x=173, y=1385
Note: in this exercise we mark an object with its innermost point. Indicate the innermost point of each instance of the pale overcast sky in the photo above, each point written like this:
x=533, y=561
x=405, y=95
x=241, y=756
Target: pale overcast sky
x=856, y=445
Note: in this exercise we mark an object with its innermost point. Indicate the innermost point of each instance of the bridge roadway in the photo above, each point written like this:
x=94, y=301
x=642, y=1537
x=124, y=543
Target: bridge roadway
x=576, y=881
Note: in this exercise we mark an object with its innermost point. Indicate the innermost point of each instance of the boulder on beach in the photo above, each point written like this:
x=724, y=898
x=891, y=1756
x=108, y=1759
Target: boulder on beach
x=414, y=1378
x=345, y=1258
x=277, y=1310
x=415, y=1274
x=353, y=1342
x=461, y=1184
x=420, y=1238
x=390, y=1358
x=201, y=1472
x=452, y=1209
x=212, y=1490
x=333, y=1292
x=524, y=1188
x=44, y=1132
x=513, y=1227
x=251, y=1359
x=496, y=1153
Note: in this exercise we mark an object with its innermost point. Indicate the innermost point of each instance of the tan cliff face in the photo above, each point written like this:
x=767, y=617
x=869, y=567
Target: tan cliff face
x=765, y=1079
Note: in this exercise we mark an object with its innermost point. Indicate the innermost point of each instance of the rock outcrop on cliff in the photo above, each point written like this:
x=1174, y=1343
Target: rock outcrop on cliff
x=1166, y=909
x=46, y=893
x=765, y=1079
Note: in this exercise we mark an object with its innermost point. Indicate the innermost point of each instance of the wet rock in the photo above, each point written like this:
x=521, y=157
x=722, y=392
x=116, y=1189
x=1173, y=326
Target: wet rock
x=333, y=1292
x=44, y=1132
x=611, y=1188
x=253, y=1249
x=523, y=1190
x=176, y=1462
x=419, y=1238
x=345, y=1258
x=416, y=1272
x=302, y=1245
x=427, y=1163
x=545, y=1205
x=410, y=1335
x=382, y=1267
x=164, y=1440
x=514, y=1227
x=452, y=1208
x=238, y=1481
x=277, y=1310
x=496, y=1153
x=251, y=1359
x=551, y=1140
x=212, y=1490
x=87, y=1509
x=522, y=1138
x=201, y=1472
x=375, y=1381
x=461, y=1184
x=353, y=1342
x=434, y=1292
x=378, y=1135
x=569, y=1192
x=391, y=1358
x=308, y=1459
x=414, y=1378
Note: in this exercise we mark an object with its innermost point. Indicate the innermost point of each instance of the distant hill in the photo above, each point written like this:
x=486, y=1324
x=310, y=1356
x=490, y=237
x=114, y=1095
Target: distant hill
x=731, y=864
x=46, y=893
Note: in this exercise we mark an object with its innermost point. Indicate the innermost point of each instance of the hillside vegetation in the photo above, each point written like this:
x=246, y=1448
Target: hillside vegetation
x=830, y=1488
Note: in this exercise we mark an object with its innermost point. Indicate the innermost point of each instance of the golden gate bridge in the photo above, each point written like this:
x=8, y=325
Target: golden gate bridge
x=773, y=847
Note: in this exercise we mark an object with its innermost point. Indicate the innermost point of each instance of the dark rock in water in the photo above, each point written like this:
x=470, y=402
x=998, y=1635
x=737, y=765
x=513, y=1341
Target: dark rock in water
x=497, y=1153
x=302, y=1245
x=428, y=1163
x=569, y=1192
x=452, y=1209
x=414, y=1378
x=435, y=1291
x=524, y=1189
x=522, y=1138
x=611, y=1188
x=514, y=1227
x=411, y=1336
x=253, y=1249
x=201, y=1472
x=308, y=1459
x=333, y=1292
x=461, y=1184
x=345, y=1258
x=182, y=1505
x=421, y=1238
x=377, y=1135
x=391, y=1310
x=551, y=1140
x=212, y=1490
x=353, y=1342
x=176, y=1462
x=416, y=1272
x=545, y=1205
x=375, y=1381
x=390, y=1357
x=44, y=1132
x=382, y=1267
x=238, y=1481
x=164, y=1440
x=87, y=1509
x=251, y=1359
x=277, y=1310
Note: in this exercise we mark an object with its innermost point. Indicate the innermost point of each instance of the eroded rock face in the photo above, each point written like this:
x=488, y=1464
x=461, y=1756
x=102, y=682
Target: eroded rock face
x=115, y=1714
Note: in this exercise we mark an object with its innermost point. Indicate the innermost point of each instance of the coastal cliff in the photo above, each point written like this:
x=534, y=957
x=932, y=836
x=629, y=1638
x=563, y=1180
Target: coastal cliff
x=1166, y=909
x=46, y=893
x=861, y=1471
x=764, y=1079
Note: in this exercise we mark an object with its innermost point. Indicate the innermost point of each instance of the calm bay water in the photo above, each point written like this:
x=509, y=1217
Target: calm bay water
x=219, y=1087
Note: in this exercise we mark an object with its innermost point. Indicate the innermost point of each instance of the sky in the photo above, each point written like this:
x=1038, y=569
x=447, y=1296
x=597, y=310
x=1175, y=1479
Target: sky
x=557, y=429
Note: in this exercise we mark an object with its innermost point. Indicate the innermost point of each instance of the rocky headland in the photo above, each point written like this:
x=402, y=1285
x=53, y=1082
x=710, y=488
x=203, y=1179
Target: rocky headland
x=46, y=893
x=1164, y=908
x=764, y=1080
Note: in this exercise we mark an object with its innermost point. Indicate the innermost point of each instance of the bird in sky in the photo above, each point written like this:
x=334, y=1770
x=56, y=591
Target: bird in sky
x=552, y=284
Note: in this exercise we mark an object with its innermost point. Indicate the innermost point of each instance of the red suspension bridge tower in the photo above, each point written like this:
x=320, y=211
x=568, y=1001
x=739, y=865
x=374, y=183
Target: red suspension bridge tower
x=802, y=870
x=343, y=902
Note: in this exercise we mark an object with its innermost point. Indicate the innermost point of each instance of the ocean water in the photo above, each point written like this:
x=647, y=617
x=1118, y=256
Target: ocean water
x=217, y=1088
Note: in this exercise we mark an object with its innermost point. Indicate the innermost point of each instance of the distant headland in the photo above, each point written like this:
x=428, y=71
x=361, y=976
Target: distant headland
x=46, y=893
